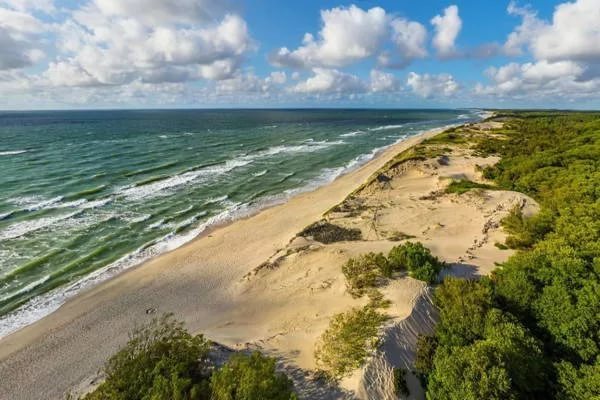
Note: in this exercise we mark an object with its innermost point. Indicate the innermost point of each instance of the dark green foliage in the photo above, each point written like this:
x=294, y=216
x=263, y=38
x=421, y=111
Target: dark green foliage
x=417, y=259
x=533, y=331
x=426, y=347
x=464, y=185
x=349, y=339
x=160, y=361
x=463, y=306
x=326, y=232
x=472, y=372
x=250, y=377
x=400, y=385
x=579, y=384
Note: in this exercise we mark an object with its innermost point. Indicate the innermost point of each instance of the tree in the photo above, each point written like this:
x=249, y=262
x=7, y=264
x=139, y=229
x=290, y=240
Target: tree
x=469, y=373
x=160, y=361
x=463, y=305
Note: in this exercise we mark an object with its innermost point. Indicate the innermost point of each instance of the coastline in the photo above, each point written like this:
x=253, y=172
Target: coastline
x=47, y=303
x=167, y=284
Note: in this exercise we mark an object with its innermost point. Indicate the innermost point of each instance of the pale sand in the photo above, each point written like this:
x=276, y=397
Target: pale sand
x=214, y=285
x=199, y=282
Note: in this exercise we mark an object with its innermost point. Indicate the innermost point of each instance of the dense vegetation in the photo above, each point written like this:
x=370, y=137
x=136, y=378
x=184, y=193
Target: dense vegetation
x=532, y=330
x=162, y=361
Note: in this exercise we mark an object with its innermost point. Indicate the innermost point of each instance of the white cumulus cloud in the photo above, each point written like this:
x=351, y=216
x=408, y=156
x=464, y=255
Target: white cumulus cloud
x=426, y=85
x=347, y=35
x=447, y=28
x=325, y=80
x=112, y=42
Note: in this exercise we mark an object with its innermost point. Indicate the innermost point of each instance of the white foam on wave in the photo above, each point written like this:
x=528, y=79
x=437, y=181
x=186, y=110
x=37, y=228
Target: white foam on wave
x=161, y=187
x=256, y=174
x=47, y=303
x=26, y=288
x=386, y=127
x=22, y=228
x=308, y=146
x=353, y=133
x=96, y=203
x=12, y=152
x=214, y=200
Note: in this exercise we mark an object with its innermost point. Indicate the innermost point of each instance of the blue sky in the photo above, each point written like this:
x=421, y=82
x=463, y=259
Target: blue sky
x=242, y=53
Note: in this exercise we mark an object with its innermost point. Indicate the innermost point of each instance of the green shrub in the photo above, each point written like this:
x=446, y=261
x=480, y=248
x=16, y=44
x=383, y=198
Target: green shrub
x=426, y=273
x=326, y=232
x=365, y=271
x=250, y=377
x=417, y=259
x=349, y=339
x=160, y=361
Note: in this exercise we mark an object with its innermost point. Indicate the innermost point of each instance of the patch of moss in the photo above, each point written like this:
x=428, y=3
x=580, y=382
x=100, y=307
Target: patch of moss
x=461, y=186
x=326, y=232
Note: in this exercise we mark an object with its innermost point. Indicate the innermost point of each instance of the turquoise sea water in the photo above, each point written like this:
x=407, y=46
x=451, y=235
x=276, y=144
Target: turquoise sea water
x=86, y=194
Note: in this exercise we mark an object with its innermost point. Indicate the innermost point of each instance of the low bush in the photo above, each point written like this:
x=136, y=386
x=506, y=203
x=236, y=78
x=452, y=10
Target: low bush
x=326, y=232
x=250, y=377
x=349, y=339
x=365, y=271
x=400, y=385
x=462, y=186
x=417, y=259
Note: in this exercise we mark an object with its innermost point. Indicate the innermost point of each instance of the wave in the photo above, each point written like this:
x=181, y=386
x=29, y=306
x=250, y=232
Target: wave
x=160, y=187
x=25, y=289
x=285, y=177
x=86, y=192
x=12, y=152
x=256, y=174
x=386, y=127
x=309, y=146
x=49, y=302
x=150, y=169
x=214, y=200
x=41, y=260
x=353, y=133
x=44, y=204
x=23, y=228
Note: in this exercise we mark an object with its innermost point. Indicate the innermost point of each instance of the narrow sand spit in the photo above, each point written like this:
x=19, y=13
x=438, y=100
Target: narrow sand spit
x=220, y=284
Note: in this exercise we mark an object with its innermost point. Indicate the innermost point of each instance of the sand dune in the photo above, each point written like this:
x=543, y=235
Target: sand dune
x=220, y=285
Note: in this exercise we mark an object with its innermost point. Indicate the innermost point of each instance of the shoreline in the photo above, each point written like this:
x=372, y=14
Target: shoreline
x=118, y=304
x=49, y=302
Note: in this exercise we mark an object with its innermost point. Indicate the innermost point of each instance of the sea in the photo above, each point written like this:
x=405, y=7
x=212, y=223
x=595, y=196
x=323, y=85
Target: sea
x=85, y=195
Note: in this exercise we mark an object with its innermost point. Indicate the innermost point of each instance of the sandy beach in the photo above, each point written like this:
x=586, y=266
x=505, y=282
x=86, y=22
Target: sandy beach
x=216, y=286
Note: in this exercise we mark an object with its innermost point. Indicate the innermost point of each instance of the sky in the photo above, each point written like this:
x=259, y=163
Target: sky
x=67, y=54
